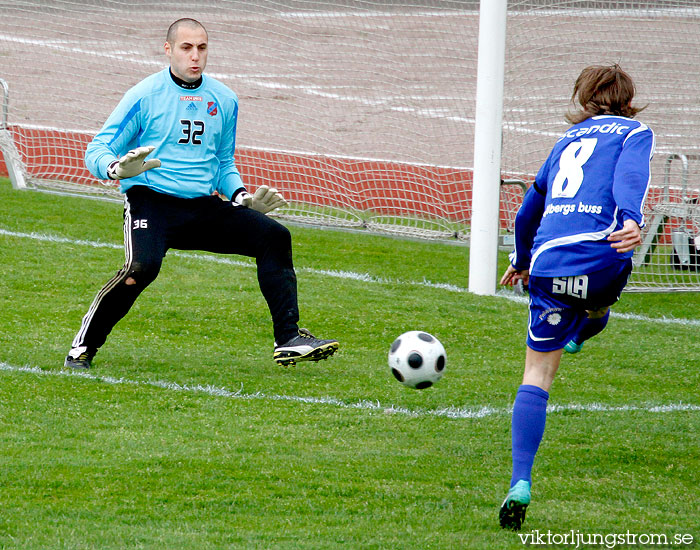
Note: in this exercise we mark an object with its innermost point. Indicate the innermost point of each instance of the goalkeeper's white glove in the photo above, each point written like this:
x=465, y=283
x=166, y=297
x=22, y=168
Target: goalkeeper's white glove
x=265, y=199
x=132, y=164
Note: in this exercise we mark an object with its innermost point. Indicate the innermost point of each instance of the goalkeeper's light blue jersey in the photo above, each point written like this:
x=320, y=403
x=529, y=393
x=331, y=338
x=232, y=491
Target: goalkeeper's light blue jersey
x=193, y=132
x=596, y=177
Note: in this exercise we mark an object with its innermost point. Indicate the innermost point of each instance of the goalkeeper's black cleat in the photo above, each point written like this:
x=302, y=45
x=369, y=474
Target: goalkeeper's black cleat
x=79, y=358
x=512, y=512
x=304, y=347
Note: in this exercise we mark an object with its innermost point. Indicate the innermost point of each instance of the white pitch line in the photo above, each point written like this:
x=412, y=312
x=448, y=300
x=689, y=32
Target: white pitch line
x=339, y=274
x=377, y=14
x=452, y=412
x=255, y=80
x=260, y=80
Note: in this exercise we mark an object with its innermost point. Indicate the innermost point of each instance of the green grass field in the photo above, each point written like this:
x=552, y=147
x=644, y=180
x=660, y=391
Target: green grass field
x=186, y=435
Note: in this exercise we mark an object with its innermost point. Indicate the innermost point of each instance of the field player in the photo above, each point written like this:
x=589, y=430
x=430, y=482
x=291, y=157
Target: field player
x=188, y=121
x=574, y=238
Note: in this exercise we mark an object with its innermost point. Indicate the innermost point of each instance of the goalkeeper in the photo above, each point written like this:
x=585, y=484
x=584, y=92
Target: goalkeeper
x=170, y=143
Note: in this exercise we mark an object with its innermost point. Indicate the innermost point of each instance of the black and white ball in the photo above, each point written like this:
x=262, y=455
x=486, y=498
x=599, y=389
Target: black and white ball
x=417, y=359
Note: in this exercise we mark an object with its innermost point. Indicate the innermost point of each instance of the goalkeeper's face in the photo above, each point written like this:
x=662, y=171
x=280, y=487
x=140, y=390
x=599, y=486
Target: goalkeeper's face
x=188, y=53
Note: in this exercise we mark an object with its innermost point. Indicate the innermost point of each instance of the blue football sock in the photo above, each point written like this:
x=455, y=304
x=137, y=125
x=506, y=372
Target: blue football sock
x=529, y=415
x=590, y=328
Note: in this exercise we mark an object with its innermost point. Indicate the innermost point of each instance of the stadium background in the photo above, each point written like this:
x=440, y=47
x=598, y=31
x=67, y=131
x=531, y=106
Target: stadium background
x=362, y=113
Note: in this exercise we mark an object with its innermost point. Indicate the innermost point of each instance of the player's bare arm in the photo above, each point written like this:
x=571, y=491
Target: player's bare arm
x=512, y=276
x=627, y=238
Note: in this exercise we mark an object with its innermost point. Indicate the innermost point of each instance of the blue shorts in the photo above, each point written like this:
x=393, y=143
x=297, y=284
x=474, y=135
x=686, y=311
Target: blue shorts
x=558, y=305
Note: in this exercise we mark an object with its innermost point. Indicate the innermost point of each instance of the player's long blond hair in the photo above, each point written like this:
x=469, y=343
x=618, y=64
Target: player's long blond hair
x=603, y=90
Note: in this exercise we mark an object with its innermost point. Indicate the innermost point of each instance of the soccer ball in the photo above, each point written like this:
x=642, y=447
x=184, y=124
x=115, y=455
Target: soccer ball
x=417, y=359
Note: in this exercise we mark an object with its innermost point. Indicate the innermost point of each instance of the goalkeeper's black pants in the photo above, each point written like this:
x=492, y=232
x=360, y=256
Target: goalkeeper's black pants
x=155, y=222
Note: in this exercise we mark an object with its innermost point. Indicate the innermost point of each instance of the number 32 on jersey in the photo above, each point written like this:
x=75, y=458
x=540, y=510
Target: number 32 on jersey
x=192, y=131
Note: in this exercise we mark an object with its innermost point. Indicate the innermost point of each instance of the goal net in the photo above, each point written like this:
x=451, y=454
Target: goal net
x=362, y=112
x=359, y=112
x=549, y=42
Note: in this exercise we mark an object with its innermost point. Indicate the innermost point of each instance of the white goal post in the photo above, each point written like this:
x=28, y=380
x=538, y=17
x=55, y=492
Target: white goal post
x=364, y=112
x=483, y=257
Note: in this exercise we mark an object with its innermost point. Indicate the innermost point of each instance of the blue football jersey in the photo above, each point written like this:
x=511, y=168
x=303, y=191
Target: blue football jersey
x=596, y=177
x=193, y=132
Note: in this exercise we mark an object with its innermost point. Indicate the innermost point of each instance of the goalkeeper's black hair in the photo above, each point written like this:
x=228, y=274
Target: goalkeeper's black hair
x=603, y=90
x=172, y=30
